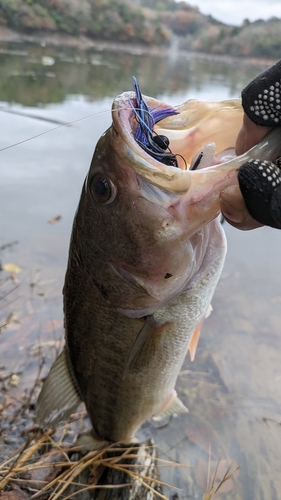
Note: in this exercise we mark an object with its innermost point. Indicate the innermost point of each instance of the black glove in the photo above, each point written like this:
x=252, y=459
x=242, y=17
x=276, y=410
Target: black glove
x=260, y=181
x=260, y=185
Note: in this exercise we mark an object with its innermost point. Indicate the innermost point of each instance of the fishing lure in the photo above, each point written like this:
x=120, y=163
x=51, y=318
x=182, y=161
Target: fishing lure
x=155, y=145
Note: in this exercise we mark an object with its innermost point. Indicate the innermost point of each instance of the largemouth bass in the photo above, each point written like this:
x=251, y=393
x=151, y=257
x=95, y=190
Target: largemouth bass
x=146, y=252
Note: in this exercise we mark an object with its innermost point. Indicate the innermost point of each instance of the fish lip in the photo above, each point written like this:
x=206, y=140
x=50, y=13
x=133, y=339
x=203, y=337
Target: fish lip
x=167, y=177
x=170, y=178
x=125, y=123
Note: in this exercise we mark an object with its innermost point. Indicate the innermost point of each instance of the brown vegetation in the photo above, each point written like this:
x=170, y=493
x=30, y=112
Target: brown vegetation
x=145, y=22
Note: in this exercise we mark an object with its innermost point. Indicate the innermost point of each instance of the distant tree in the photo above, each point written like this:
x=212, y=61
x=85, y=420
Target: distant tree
x=127, y=20
x=183, y=22
x=170, y=5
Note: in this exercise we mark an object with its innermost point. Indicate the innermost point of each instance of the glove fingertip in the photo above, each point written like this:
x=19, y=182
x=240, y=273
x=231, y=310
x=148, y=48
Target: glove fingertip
x=261, y=99
x=260, y=183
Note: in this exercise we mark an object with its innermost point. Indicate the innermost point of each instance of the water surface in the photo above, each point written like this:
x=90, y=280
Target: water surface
x=233, y=387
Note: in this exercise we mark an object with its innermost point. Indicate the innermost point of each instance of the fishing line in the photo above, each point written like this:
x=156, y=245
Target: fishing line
x=59, y=126
x=53, y=129
x=73, y=122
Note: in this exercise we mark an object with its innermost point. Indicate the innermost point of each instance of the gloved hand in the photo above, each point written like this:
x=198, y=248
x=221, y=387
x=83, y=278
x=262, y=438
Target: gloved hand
x=259, y=182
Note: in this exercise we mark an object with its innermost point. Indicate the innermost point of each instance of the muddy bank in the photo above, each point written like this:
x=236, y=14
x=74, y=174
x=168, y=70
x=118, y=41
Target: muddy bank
x=84, y=43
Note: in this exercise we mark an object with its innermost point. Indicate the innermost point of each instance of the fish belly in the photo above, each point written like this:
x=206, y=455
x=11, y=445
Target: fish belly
x=118, y=405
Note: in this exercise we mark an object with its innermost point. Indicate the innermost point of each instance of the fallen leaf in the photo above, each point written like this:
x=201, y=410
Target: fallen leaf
x=15, y=495
x=14, y=380
x=12, y=268
x=44, y=470
x=54, y=220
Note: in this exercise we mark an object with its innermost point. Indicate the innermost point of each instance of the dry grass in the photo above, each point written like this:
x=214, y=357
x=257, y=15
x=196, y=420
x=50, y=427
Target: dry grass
x=122, y=459
x=212, y=488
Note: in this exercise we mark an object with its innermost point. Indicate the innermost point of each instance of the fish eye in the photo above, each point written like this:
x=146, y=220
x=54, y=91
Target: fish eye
x=102, y=189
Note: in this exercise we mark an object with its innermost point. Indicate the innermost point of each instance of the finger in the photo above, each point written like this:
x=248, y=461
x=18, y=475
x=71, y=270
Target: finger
x=261, y=99
x=250, y=134
x=260, y=185
x=235, y=211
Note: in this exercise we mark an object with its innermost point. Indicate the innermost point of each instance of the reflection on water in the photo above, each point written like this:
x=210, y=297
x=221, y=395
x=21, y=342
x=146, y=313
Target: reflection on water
x=233, y=387
x=36, y=76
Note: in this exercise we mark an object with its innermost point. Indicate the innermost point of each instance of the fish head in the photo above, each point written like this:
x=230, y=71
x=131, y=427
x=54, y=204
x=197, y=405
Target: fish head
x=142, y=226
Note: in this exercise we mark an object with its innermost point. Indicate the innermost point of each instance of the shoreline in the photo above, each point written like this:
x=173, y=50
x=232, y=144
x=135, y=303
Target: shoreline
x=81, y=42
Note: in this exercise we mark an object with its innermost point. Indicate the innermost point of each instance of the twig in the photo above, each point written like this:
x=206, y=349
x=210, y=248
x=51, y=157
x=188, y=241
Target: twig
x=25, y=457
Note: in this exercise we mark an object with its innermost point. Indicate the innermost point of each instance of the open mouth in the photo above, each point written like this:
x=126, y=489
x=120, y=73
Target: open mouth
x=156, y=145
x=174, y=147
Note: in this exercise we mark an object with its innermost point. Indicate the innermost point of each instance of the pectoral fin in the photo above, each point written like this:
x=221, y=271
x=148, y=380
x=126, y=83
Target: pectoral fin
x=146, y=344
x=58, y=397
x=174, y=406
x=193, y=343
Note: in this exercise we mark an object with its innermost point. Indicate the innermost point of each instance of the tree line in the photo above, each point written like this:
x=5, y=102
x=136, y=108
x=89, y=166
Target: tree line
x=149, y=22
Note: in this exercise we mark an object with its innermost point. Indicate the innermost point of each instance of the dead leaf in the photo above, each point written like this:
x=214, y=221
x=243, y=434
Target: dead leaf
x=15, y=495
x=203, y=435
x=12, y=268
x=54, y=220
x=14, y=380
x=45, y=470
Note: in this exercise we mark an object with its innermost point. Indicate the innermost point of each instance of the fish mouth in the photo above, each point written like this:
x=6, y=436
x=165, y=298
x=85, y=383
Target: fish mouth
x=201, y=132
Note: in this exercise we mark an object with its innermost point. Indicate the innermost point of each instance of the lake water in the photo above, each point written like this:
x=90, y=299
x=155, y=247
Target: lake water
x=232, y=389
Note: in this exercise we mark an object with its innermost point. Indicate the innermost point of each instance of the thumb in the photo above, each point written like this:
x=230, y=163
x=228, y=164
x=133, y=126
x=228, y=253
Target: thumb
x=235, y=211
